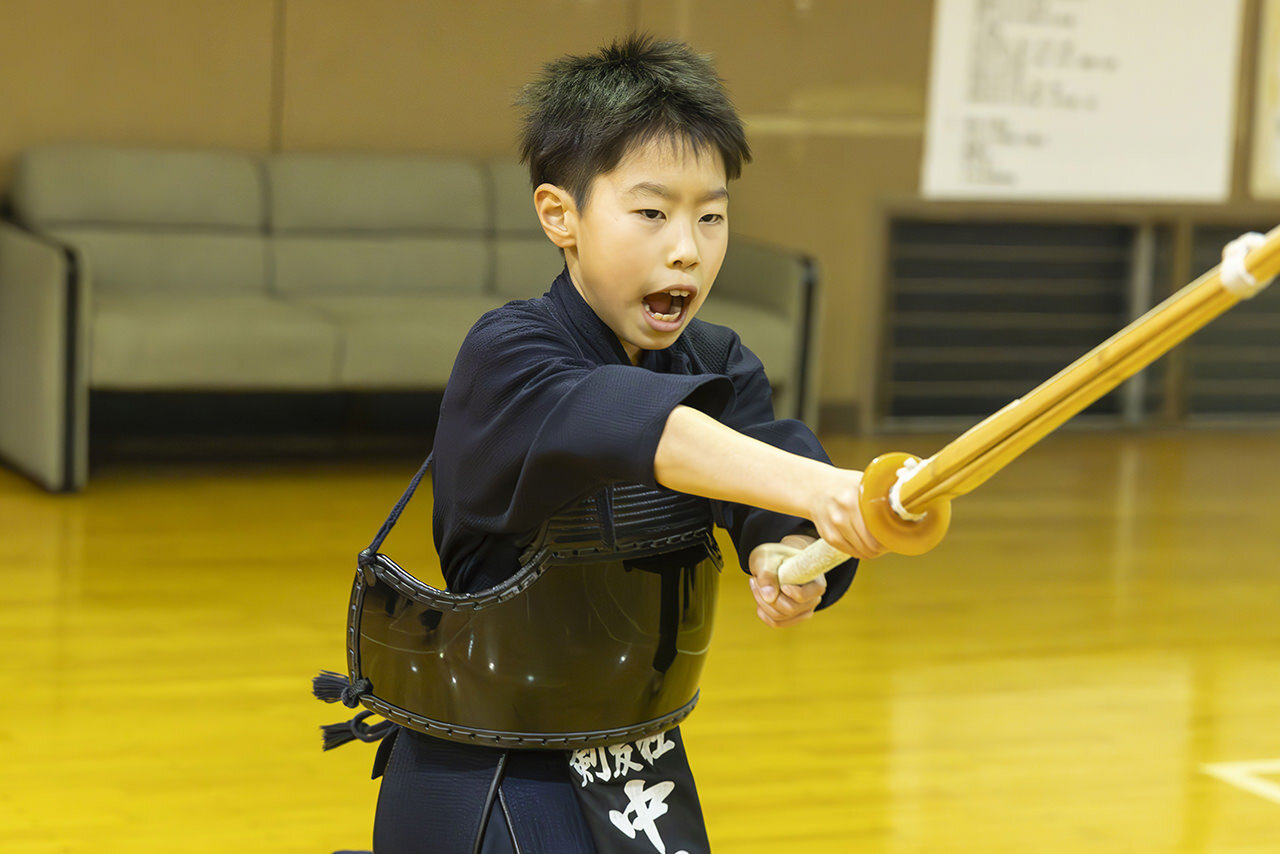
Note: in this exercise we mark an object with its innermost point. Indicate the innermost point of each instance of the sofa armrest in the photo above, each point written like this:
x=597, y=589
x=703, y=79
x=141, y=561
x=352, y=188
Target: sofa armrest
x=785, y=282
x=772, y=277
x=43, y=358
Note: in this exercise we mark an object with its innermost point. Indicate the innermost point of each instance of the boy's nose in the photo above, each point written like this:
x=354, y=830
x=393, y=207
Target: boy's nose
x=684, y=248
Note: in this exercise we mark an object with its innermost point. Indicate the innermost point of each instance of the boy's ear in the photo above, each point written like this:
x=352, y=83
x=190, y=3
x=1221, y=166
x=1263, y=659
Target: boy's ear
x=558, y=214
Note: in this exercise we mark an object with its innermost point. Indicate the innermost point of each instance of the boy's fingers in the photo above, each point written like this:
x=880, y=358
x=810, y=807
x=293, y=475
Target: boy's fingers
x=807, y=592
x=798, y=597
x=854, y=542
x=787, y=607
x=764, y=562
x=771, y=610
x=779, y=621
x=778, y=608
x=765, y=593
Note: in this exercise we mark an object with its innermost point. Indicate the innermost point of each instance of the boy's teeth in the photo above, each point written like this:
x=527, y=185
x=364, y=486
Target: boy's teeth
x=667, y=305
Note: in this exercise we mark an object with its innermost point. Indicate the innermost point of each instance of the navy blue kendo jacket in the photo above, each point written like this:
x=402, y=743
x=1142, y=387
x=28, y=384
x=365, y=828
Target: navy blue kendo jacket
x=543, y=407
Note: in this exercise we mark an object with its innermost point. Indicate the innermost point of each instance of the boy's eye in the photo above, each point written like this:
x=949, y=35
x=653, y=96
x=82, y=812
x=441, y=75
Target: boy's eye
x=713, y=218
x=651, y=214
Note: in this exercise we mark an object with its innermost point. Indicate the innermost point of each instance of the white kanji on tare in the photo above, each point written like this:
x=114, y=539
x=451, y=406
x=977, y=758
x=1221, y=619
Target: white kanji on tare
x=654, y=746
x=617, y=760
x=648, y=804
x=622, y=762
x=584, y=761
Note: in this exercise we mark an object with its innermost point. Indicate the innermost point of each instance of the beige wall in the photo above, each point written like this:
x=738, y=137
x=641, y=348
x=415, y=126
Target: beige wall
x=195, y=72
x=833, y=92
x=440, y=76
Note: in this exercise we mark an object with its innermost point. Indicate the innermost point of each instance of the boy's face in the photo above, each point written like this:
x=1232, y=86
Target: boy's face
x=650, y=242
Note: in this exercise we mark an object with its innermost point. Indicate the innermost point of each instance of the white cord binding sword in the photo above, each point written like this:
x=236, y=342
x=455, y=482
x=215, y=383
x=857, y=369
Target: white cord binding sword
x=906, y=501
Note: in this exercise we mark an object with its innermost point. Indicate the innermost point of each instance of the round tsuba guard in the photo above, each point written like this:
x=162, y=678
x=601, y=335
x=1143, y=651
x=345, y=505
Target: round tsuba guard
x=899, y=535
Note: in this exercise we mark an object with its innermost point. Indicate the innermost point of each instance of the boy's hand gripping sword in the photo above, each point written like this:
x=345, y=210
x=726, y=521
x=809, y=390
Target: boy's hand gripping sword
x=906, y=501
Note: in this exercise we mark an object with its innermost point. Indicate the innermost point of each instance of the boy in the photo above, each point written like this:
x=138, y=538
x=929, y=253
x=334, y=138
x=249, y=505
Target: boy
x=573, y=431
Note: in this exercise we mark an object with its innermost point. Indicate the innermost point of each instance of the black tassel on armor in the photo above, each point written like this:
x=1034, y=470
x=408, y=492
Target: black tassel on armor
x=332, y=687
x=336, y=735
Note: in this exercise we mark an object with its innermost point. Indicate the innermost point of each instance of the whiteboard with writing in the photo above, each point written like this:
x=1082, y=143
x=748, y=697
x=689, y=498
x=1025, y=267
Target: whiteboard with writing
x=1265, y=178
x=1082, y=99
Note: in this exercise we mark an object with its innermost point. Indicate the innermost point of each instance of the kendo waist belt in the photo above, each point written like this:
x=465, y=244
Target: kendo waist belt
x=598, y=638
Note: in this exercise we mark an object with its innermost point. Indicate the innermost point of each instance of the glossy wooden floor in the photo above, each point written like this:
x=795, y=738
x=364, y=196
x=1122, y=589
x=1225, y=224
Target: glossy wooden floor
x=1102, y=623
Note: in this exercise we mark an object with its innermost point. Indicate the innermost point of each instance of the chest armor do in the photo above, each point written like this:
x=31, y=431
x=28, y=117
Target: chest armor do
x=598, y=638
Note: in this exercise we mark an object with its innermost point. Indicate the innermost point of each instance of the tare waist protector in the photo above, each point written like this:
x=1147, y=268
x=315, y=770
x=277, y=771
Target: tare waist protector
x=598, y=638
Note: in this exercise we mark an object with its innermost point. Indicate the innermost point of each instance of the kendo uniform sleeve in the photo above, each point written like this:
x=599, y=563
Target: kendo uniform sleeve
x=751, y=413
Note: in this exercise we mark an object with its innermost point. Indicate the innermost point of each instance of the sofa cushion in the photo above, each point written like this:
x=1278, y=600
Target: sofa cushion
x=61, y=185
x=524, y=261
x=393, y=342
x=513, y=211
x=361, y=224
x=374, y=264
x=170, y=261
x=524, y=267
x=152, y=341
x=368, y=192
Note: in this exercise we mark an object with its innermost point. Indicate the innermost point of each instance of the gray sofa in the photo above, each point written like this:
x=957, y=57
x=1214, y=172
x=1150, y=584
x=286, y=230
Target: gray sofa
x=167, y=270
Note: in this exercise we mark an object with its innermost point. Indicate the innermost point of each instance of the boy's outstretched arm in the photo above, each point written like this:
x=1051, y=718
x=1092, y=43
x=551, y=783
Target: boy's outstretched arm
x=699, y=455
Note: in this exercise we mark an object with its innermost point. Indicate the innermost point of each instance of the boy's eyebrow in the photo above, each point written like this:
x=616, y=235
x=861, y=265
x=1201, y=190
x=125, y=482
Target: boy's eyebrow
x=662, y=191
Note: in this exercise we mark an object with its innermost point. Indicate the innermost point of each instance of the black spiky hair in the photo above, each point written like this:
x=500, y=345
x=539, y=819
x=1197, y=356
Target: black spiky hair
x=585, y=113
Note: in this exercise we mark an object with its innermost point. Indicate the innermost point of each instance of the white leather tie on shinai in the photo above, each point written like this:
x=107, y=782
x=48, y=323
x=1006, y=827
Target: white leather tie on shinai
x=1235, y=275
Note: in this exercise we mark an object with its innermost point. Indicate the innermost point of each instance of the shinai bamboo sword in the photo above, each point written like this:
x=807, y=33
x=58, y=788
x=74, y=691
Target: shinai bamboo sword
x=906, y=501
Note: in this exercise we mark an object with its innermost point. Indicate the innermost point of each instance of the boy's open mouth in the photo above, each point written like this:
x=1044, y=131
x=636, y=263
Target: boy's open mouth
x=667, y=306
